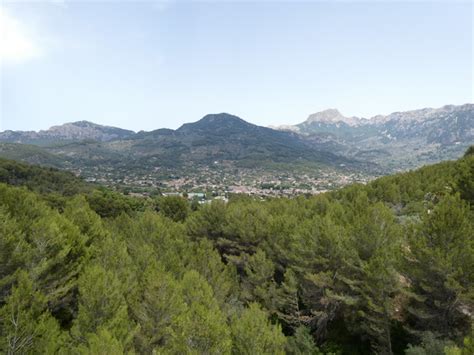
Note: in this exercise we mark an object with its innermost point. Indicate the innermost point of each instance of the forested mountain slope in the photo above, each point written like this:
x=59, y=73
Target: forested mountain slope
x=381, y=268
x=206, y=153
x=216, y=137
x=41, y=179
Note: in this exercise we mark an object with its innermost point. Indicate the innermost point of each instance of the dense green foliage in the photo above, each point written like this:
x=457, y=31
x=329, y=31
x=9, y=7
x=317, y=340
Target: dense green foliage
x=39, y=179
x=55, y=187
x=385, y=268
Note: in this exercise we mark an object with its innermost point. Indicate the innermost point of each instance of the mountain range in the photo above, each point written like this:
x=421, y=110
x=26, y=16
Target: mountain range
x=220, y=140
x=327, y=139
x=74, y=131
x=399, y=141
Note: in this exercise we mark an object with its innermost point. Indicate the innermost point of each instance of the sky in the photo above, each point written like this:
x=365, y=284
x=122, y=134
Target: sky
x=144, y=65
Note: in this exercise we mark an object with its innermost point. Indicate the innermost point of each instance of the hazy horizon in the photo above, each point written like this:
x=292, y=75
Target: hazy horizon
x=152, y=64
x=230, y=113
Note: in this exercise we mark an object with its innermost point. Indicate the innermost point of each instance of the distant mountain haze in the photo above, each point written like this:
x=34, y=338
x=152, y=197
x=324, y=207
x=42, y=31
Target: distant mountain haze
x=401, y=140
x=217, y=140
x=81, y=130
x=397, y=141
x=333, y=116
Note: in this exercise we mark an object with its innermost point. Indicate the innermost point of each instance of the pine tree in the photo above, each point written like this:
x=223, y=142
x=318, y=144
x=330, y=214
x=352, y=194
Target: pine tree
x=77, y=211
x=48, y=246
x=465, y=180
x=252, y=333
x=326, y=252
x=302, y=343
x=26, y=326
x=378, y=242
x=258, y=284
x=440, y=268
x=221, y=277
x=202, y=327
x=101, y=306
x=208, y=222
x=102, y=343
x=156, y=308
x=288, y=308
x=13, y=252
x=174, y=207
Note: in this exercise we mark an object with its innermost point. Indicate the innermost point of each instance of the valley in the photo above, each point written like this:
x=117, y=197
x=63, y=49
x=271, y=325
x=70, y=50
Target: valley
x=222, y=154
x=236, y=177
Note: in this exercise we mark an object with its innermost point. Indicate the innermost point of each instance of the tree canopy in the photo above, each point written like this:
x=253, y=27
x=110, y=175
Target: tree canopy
x=383, y=268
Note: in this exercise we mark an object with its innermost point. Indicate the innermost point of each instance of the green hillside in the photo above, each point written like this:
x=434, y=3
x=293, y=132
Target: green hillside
x=31, y=154
x=382, y=268
x=41, y=179
x=220, y=142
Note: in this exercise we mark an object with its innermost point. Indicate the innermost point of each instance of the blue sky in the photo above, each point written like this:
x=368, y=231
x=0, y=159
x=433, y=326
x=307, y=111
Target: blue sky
x=150, y=64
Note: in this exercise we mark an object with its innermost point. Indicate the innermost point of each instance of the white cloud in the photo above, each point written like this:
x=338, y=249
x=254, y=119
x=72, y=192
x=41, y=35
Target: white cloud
x=16, y=44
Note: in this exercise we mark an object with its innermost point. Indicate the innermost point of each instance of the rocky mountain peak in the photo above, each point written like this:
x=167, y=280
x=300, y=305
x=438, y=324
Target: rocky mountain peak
x=80, y=130
x=332, y=116
x=86, y=130
x=423, y=114
x=73, y=125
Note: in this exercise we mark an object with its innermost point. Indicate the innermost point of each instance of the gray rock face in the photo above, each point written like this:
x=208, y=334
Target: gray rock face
x=401, y=139
x=81, y=130
x=333, y=116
